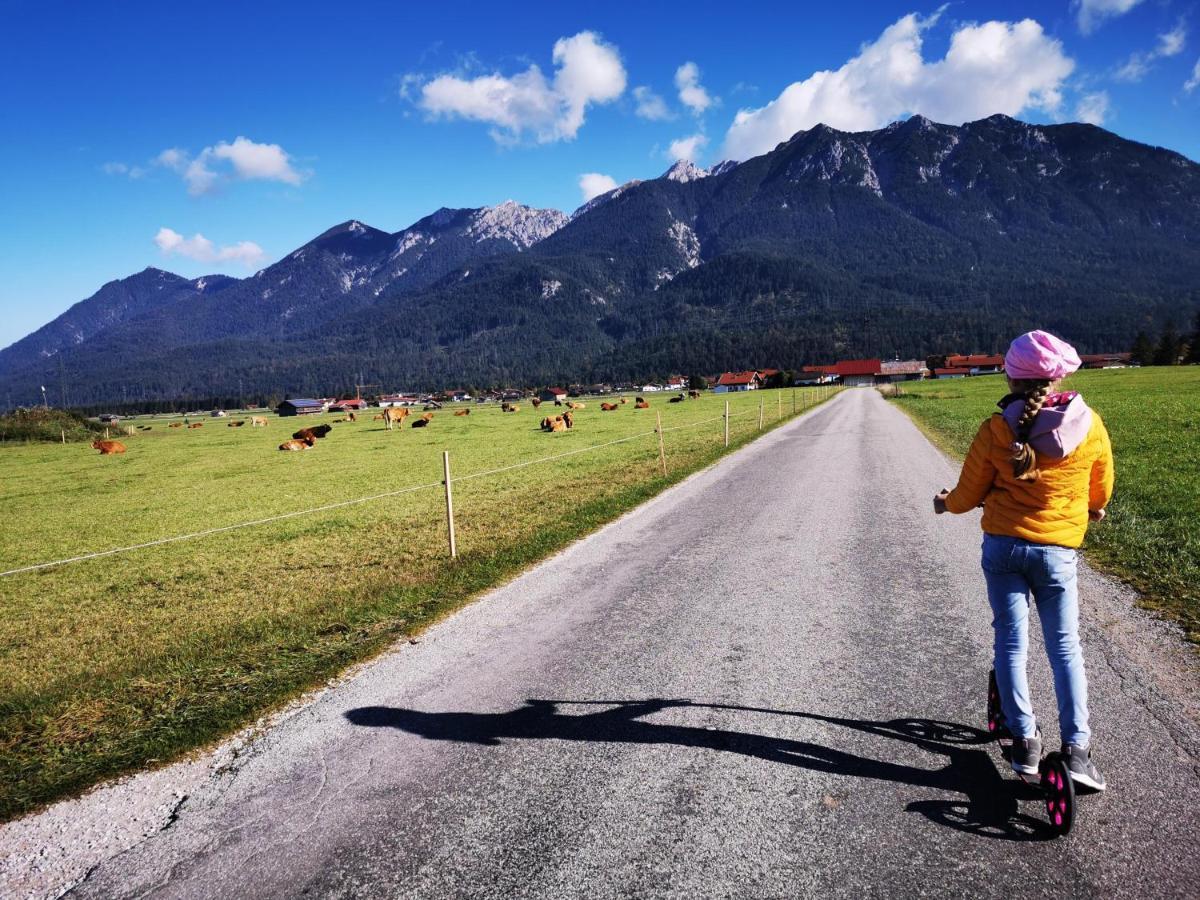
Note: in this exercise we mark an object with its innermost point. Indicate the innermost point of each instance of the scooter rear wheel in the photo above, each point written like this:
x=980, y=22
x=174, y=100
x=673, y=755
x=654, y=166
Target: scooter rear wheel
x=1060, y=792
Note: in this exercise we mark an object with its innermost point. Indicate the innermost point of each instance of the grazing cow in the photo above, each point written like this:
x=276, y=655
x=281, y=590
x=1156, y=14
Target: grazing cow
x=609, y=407
x=462, y=412
x=695, y=395
x=175, y=425
x=195, y=425
x=558, y=403
x=298, y=444
x=258, y=422
x=353, y=417
x=624, y=400
x=107, y=448
x=536, y=401
x=394, y=415
x=316, y=431
x=569, y=419
x=641, y=403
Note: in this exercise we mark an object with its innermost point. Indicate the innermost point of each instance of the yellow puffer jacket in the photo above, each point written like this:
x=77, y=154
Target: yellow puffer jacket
x=1051, y=510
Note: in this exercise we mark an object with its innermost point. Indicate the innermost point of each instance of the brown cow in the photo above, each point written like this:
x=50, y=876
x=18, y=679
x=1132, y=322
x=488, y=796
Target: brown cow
x=576, y=406
x=238, y=424
x=423, y=421
x=316, y=431
x=175, y=425
x=609, y=407
x=394, y=415
x=294, y=444
x=554, y=423
x=569, y=419
x=624, y=399
x=462, y=412
x=536, y=402
x=695, y=395
x=258, y=422
x=107, y=448
x=196, y=425
x=353, y=417
x=641, y=403
x=511, y=409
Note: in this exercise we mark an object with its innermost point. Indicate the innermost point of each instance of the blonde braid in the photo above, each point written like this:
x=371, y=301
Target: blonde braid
x=1024, y=458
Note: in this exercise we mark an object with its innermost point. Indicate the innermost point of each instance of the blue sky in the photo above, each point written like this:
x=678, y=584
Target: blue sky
x=385, y=111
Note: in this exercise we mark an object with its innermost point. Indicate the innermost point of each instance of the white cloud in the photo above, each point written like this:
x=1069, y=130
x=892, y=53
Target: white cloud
x=120, y=168
x=243, y=160
x=1090, y=14
x=1194, y=82
x=593, y=184
x=993, y=67
x=1092, y=108
x=687, y=148
x=691, y=93
x=201, y=249
x=1170, y=43
x=650, y=105
x=588, y=71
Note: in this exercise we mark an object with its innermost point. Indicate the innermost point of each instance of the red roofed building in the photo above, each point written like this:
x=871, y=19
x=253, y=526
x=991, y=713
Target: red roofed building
x=738, y=381
x=856, y=372
x=977, y=363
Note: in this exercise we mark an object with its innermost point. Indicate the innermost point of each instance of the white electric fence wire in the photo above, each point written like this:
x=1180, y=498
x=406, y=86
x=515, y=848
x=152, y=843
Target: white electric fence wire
x=343, y=503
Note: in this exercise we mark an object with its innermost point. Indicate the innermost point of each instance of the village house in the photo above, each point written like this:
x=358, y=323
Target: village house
x=347, y=405
x=951, y=372
x=977, y=363
x=730, y=382
x=553, y=395
x=1106, y=360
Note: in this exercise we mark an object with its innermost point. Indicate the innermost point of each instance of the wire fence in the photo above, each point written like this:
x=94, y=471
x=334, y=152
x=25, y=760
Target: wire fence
x=446, y=483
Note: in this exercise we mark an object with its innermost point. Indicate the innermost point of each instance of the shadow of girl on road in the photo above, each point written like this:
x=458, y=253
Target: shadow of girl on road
x=990, y=808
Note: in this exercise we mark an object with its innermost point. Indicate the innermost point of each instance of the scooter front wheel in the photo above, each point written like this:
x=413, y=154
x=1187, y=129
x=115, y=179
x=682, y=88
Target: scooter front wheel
x=1060, y=792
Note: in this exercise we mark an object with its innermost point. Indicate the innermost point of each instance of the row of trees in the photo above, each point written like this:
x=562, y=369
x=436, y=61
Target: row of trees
x=1171, y=348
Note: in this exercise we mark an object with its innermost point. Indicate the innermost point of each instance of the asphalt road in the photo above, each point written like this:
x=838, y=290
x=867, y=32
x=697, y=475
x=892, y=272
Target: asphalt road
x=768, y=682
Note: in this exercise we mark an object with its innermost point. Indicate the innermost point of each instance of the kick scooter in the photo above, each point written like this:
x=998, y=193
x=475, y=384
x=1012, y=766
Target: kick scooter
x=1054, y=780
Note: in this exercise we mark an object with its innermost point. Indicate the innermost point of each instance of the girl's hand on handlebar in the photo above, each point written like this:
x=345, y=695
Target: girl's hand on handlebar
x=1097, y=515
x=939, y=502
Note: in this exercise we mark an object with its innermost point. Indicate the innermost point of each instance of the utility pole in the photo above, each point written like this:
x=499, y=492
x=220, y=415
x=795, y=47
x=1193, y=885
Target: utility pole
x=44, y=403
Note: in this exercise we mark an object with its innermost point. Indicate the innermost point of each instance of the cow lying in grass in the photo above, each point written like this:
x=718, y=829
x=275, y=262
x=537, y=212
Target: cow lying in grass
x=107, y=448
x=508, y=407
x=695, y=395
x=423, y=421
x=298, y=444
x=316, y=431
x=641, y=403
x=175, y=425
x=196, y=425
x=677, y=399
x=609, y=407
x=558, y=423
x=624, y=400
x=576, y=406
x=462, y=412
x=235, y=424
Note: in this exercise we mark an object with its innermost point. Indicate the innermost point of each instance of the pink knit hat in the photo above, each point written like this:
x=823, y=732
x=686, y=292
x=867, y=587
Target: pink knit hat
x=1038, y=355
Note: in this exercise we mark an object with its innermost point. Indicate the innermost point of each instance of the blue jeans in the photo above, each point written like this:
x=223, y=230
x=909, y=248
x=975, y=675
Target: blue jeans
x=1014, y=569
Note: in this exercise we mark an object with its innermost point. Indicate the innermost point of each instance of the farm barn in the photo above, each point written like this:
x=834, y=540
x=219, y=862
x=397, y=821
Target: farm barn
x=859, y=372
x=552, y=395
x=347, y=405
x=893, y=370
x=299, y=408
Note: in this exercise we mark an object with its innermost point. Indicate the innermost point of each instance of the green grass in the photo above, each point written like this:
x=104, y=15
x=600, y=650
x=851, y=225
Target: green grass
x=1151, y=538
x=117, y=662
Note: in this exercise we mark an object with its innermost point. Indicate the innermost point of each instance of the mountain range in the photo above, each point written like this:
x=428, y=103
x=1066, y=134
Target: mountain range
x=912, y=239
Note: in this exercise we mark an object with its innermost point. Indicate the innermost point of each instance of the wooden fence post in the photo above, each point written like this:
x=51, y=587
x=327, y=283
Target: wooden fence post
x=779, y=405
x=662, y=451
x=726, y=423
x=449, y=503
x=793, y=401
x=760, y=412
x=64, y=436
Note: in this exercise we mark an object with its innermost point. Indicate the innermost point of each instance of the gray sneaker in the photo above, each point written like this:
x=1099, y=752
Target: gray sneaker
x=1079, y=764
x=1026, y=754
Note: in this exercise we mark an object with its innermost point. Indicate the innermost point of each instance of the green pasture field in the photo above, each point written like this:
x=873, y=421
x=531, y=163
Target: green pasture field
x=113, y=663
x=1151, y=537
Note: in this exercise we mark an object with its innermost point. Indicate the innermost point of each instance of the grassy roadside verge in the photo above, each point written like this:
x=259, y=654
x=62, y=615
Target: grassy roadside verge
x=125, y=661
x=1151, y=538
